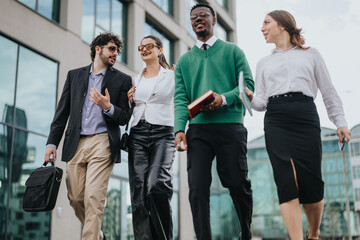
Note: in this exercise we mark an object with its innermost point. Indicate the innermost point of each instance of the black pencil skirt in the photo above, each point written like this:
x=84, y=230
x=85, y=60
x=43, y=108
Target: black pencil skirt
x=292, y=133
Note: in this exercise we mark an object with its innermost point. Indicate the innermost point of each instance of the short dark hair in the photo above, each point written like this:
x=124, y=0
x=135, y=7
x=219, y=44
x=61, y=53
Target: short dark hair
x=201, y=4
x=102, y=39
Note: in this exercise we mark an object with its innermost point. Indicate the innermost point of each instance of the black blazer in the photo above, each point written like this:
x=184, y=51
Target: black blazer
x=70, y=109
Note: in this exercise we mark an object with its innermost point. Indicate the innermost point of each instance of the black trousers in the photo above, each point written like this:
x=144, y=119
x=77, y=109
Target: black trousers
x=226, y=141
x=151, y=155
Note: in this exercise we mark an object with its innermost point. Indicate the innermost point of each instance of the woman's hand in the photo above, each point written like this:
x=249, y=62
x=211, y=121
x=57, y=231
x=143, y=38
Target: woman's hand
x=130, y=94
x=343, y=132
x=248, y=93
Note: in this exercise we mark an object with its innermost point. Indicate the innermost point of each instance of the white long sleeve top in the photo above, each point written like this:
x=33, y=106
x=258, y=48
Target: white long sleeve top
x=154, y=98
x=296, y=70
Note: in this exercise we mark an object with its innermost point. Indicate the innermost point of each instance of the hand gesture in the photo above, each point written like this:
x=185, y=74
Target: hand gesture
x=99, y=99
x=130, y=94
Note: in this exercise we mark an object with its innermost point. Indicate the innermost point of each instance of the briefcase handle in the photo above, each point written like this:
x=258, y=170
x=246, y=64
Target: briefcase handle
x=51, y=161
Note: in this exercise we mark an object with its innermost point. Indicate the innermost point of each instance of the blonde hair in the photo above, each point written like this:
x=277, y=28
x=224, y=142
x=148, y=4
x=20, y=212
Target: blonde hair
x=287, y=21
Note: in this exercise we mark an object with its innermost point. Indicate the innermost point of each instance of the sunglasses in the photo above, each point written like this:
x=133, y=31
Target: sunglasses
x=112, y=49
x=202, y=15
x=147, y=46
x=342, y=144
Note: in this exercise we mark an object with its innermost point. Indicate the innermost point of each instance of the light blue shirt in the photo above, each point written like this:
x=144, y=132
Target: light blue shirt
x=92, y=121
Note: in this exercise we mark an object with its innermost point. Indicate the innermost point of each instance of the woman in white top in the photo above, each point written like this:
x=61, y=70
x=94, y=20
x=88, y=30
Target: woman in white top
x=287, y=82
x=151, y=144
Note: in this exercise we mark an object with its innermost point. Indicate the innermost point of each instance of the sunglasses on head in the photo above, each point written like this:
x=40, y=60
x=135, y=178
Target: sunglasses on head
x=147, y=46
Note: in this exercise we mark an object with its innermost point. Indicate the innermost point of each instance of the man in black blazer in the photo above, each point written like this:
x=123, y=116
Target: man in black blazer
x=94, y=103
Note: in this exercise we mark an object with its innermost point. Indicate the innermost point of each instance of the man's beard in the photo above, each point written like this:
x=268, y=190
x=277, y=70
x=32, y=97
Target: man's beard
x=105, y=60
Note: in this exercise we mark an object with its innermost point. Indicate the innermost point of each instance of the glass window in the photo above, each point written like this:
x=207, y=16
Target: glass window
x=104, y=16
x=189, y=5
x=165, y=5
x=167, y=43
x=8, y=60
x=112, y=211
x=221, y=32
x=36, y=81
x=48, y=8
x=356, y=172
x=223, y=3
x=28, y=156
x=32, y=79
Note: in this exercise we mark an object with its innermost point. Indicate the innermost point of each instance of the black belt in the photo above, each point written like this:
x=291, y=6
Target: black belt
x=90, y=135
x=289, y=96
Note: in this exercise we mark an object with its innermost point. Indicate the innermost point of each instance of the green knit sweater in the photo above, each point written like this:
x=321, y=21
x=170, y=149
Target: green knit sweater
x=217, y=69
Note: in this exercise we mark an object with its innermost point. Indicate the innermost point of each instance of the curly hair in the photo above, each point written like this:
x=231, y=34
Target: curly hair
x=102, y=39
x=201, y=4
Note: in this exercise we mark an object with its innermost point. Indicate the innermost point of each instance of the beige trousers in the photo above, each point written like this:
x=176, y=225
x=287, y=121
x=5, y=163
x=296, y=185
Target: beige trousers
x=87, y=178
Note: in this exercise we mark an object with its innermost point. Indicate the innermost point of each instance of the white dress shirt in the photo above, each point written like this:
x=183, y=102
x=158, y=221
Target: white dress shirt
x=210, y=42
x=296, y=70
x=154, y=97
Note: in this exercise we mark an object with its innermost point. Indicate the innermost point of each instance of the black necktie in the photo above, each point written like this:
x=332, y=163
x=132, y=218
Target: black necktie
x=205, y=46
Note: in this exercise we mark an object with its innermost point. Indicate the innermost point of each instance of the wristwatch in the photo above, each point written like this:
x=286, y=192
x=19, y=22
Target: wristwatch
x=107, y=110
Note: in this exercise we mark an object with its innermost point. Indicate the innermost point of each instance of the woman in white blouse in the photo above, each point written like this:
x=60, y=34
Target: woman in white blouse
x=151, y=144
x=287, y=82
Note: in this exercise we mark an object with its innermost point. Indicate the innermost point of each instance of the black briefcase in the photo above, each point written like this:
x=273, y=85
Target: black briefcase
x=42, y=188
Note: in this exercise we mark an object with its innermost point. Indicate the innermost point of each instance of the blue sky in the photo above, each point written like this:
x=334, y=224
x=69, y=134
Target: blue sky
x=331, y=26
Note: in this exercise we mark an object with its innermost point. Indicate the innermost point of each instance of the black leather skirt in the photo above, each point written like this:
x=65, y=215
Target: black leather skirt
x=151, y=155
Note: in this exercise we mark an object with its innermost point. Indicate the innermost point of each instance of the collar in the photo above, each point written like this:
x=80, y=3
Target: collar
x=103, y=72
x=274, y=50
x=138, y=77
x=209, y=42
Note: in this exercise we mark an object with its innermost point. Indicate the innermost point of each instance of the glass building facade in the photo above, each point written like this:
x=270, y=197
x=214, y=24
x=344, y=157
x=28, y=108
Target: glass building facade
x=165, y=5
x=27, y=103
x=104, y=16
x=47, y=8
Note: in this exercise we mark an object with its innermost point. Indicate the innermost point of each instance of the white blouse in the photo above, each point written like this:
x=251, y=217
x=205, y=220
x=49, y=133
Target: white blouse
x=296, y=70
x=154, y=97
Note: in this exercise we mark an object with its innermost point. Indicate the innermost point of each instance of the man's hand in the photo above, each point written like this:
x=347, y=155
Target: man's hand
x=99, y=99
x=216, y=103
x=48, y=152
x=343, y=132
x=180, y=137
x=130, y=94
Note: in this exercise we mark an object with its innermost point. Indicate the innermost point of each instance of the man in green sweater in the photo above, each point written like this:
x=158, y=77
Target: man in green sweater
x=218, y=130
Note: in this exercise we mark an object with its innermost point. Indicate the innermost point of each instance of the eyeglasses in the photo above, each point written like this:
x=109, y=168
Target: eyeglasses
x=112, y=49
x=147, y=46
x=193, y=17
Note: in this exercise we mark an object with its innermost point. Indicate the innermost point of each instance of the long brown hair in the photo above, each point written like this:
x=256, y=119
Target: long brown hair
x=162, y=59
x=287, y=21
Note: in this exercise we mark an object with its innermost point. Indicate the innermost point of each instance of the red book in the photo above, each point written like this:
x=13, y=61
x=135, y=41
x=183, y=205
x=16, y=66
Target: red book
x=205, y=99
